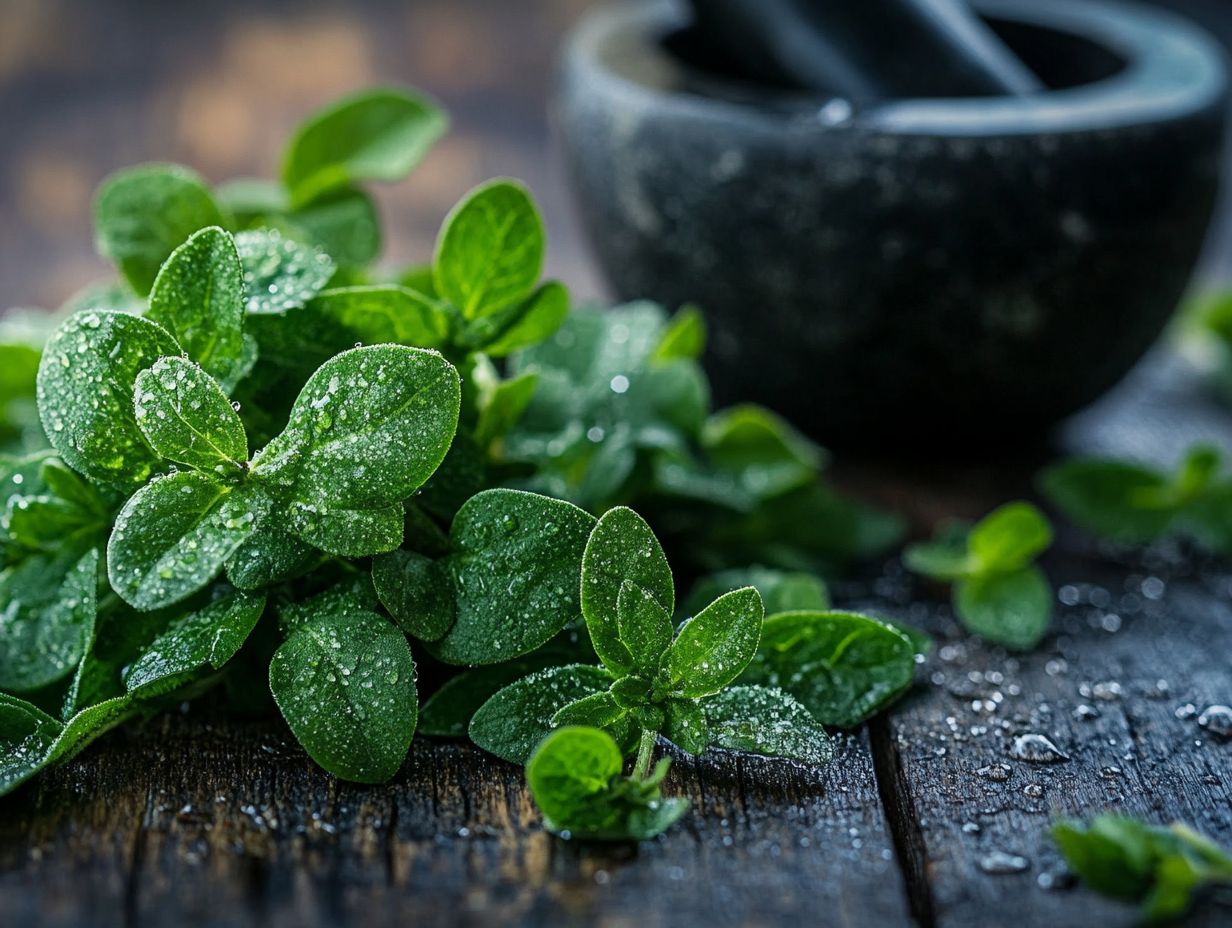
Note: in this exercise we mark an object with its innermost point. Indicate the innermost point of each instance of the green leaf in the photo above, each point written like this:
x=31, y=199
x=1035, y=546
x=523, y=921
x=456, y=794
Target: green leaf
x=26, y=736
x=644, y=626
x=49, y=609
x=684, y=338
x=574, y=776
x=490, y=249
x=348, y=532
x=517, y=718
x=185, y=417
x=781, y=590
x=523, y=325
x=344, y=223
x=353, y=598
x=502, y=406
x=945, y=558
x=514, y=573
x=173, y=536
x=280, y=274
x=70, y=488
x=713, y=647
x=1162, y=868
x=50, y=508
x=85, y=393
x=368, y=428
x=345, y=683
x=621, y=548
x=448, y=712
x=205, y=638
x=766, y=721
x=198, y=297
x=842, y=666
x=416, y=591
x=569, y=775
x=686, y=726
x=31, y=740
x=1011, y=609
x=1115, y=499
x=376, y=135
x=379, y=314
x=270, y=556
x=1009, y=538
x=599, y=710
x=143, y=214
x=761, y=454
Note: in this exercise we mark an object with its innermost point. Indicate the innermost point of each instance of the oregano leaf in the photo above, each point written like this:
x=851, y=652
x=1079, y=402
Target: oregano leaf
x=416, y=591
x=143, y=214
x=514, y=573
x=490, y=250
x=368, y=428
x=205, y=638
x=645, y=627
x=1011, y=609
x=842, y=666
x=373, y=135
x=345, y=683
x=767, y=721
x=713, y=647
x=348, y=532
x=50, y=605
x=185, y=417
x=198, y=297
x=280, y=274
x=174, y=535
x=621, y=548
x=513, y=722
x=85, y=393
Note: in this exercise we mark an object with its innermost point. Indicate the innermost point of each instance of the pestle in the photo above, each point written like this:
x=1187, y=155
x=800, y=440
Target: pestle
x=863, y=50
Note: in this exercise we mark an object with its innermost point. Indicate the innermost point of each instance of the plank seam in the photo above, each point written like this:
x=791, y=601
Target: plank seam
x=904, y=822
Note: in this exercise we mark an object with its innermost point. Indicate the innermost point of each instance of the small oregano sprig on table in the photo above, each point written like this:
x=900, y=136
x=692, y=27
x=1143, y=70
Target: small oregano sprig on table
x=575, y=776
x=998, y=592
x=1161, y=868
x=1133, y=503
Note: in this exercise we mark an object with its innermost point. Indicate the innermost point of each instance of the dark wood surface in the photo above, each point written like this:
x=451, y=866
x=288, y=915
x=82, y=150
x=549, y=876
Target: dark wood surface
x=191, y=819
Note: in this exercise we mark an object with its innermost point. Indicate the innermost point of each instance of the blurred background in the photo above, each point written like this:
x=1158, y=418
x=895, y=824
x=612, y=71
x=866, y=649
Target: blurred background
x=89, y=86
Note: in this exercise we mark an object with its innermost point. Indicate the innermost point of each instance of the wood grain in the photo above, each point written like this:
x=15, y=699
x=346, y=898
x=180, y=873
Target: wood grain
x=189, y=822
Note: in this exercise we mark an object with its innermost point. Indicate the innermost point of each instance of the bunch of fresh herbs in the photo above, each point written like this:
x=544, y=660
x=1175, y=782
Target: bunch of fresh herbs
x=254, y=455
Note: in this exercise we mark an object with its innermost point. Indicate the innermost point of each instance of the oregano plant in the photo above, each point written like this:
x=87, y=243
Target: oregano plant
x=252, y=460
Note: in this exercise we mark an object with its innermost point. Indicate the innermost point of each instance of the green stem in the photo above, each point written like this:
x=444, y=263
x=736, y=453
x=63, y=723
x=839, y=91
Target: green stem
x=644, y=749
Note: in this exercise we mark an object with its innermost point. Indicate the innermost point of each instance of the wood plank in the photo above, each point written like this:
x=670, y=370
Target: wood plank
x=238, y=827
x=1141, y=644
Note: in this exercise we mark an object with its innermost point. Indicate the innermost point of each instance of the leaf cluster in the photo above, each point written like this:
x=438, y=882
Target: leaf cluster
x=1133, y=503
x=1162, y=868
x=998, y=592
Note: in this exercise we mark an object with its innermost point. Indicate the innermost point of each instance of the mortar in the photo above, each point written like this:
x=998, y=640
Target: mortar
x=923, y=267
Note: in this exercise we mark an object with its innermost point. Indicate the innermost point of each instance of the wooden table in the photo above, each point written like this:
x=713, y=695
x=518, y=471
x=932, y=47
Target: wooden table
x=191, y=819
x=924, y=816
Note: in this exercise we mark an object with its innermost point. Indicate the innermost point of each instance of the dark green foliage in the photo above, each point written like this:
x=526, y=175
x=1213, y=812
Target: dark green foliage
x=252, y=415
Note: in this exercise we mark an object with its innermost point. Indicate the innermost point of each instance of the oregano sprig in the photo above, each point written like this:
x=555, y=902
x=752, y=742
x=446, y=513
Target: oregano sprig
x=998, y=592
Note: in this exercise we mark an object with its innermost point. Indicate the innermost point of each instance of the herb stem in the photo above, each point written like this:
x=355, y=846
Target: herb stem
x=644, y=749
